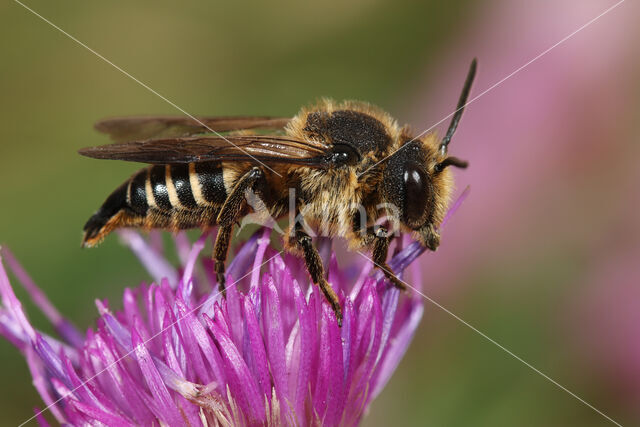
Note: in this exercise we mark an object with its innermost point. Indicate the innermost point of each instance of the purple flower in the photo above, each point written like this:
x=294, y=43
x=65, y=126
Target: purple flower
x=179, y=353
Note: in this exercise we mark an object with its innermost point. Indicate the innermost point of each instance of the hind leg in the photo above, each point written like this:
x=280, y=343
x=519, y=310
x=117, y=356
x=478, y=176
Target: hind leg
x=227, y=217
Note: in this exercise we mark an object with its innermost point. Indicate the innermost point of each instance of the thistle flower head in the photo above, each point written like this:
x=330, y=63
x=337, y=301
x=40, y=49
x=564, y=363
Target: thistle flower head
x=179, y=353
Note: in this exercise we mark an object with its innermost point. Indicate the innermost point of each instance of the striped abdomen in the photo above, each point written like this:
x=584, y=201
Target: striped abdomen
x=174, y=197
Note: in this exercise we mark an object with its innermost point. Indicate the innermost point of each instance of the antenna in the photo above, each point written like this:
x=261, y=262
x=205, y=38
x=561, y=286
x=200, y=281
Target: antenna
x=460, y=109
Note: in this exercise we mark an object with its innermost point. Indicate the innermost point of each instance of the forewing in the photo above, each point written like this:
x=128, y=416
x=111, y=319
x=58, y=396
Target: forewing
x=250, y=148
x=122, y=129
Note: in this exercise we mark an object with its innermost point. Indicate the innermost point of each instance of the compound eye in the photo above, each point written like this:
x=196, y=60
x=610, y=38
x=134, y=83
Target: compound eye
x=344, y=154
x=416, y=194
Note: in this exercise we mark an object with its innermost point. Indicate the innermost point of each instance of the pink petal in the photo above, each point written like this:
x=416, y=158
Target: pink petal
x=159, y=391
x=274, y=337
x=241, y=382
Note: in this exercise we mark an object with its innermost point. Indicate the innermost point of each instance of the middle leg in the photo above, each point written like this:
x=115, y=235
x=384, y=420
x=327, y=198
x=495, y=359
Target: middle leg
x=315, y=268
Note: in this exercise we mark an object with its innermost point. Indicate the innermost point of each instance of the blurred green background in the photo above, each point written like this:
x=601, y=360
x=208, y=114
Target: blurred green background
x=516, y=282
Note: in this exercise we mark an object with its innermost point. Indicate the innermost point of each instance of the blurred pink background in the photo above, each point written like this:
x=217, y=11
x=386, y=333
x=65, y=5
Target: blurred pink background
x=553, y=154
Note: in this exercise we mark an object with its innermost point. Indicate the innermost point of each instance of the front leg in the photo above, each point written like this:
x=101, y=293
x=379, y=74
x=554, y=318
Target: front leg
x=315, y=268
x=227, y=217
x=380, y=251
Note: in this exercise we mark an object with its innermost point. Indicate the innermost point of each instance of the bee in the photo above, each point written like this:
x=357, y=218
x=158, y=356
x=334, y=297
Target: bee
x=347, y=164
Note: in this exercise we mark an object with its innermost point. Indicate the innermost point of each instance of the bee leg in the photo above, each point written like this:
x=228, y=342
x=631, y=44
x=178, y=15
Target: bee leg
x=316, y=270
x=380, y=250
x=220, y=249
x=226, y=219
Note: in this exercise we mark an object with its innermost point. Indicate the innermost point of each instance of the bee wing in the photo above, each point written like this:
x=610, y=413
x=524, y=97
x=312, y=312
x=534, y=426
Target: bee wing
x=122, y=129
x=249, y=148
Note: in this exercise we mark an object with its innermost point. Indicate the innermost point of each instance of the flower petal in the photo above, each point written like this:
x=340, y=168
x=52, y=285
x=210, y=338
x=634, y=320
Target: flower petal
x=397, y=347
x=274, y=337
x=328, y=397
x=42, y=385
x=306, y=349
x=156, y=386
x=254, y=350
x=155, y=264
x=62, y=325
x=240, y=381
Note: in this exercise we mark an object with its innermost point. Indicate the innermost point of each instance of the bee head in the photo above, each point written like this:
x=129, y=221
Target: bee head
x=417, y=179
x=417, y=183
